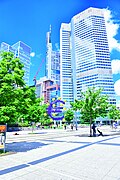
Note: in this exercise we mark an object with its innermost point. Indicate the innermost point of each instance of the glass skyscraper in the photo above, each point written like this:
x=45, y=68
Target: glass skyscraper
x=85, y=55
x=22, y=51
x=66, y=79
x=52, y=61
x=52, y=68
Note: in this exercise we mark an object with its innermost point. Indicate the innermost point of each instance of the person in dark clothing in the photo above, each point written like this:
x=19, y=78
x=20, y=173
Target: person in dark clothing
x=65, y=126
x=100, y=133
x=71, y=126
x=94, y=129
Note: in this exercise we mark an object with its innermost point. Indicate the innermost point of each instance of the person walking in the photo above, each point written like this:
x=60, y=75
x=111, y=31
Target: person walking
x=71, y=126
x=65, y=126
x=94, y=129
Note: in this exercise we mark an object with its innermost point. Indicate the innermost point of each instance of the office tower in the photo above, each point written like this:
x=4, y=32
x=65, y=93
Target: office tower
x=52, y=69
x=66, y=81
x=22, y=51
x=52, y=61
x=6, y=47
x=90, y=58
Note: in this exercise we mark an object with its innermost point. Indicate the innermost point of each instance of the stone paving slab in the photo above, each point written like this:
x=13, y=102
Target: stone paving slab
x=73, y=157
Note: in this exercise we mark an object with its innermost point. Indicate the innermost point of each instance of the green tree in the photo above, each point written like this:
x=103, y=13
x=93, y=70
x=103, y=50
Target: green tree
x=76, y=105
x=11, y=77
x=113, y=113
x=68, y=116
x=11, y=71
x=18, y=102
x=28, y=105
x=92, y=105
x=37, y=112
x=15, y=97
x=44, y=117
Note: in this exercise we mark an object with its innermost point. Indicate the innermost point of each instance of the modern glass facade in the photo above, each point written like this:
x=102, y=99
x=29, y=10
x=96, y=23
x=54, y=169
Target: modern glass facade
x=55, y=67
x=22, y=51
x=66, y=81
x=52, y=61
x=90, y=58
x=6, y=47
x=52, y=69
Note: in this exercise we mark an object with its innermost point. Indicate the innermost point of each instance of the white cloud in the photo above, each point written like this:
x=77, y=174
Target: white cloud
x=117, y=87
x=112, y=30
x=32, y=54
x=115, y=66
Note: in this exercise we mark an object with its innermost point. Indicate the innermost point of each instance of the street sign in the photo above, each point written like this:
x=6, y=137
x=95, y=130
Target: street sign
x=2, y=128
x=1, y=146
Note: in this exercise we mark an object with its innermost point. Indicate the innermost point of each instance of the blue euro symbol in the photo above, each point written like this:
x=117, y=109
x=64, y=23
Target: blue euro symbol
x=56, y=109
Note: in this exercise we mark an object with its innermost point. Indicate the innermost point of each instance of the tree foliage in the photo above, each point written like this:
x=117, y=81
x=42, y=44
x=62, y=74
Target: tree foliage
x=69, y=116
x=37, y=113
x=113, y=112
x=18, y=102
x=92, y=105
x=11, y=71
x=77, y=105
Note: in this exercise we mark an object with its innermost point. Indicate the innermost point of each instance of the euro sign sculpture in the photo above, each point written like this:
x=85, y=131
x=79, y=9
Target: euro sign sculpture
x=57, y=109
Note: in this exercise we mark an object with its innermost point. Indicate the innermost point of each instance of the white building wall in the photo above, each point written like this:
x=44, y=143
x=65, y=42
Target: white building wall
x=85, y=38
x=66, y=82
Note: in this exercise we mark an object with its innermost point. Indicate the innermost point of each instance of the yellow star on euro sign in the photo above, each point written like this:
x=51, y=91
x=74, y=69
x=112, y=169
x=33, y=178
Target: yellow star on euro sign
x=54, y=114
x=64, y=120
x=53, y=105
x=64, y=109
x=51, y=120
x=61, y=104
x=65, y=100
x=59, y=98
x=53, y=99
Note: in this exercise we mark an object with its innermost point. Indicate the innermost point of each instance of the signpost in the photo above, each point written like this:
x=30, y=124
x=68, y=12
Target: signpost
x=3, y=129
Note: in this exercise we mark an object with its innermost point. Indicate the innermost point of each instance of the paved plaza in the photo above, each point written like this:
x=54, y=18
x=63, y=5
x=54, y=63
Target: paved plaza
x=62, y=155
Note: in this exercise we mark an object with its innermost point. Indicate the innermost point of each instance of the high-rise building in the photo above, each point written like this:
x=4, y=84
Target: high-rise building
x=66, y=79
x=22, y=51
x=6, y=47
x=85, y=55
x=52, y=61
x=52, y=69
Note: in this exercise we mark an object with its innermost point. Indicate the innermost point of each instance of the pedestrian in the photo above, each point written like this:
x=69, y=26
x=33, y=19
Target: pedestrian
x=115, y=125
x=111, y=124
x=94, y=129
x=76, y=127
x=71, y=126
x=65, y=126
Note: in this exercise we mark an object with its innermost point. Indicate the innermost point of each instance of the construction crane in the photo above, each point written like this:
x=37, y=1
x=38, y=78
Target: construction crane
x=34, y=79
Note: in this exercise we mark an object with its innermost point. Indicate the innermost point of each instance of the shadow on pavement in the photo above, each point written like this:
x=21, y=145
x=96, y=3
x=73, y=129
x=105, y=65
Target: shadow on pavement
x=23, y=146
x=87, y=135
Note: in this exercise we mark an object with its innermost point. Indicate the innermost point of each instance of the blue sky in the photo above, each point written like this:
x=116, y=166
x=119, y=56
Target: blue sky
x=29, y=20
